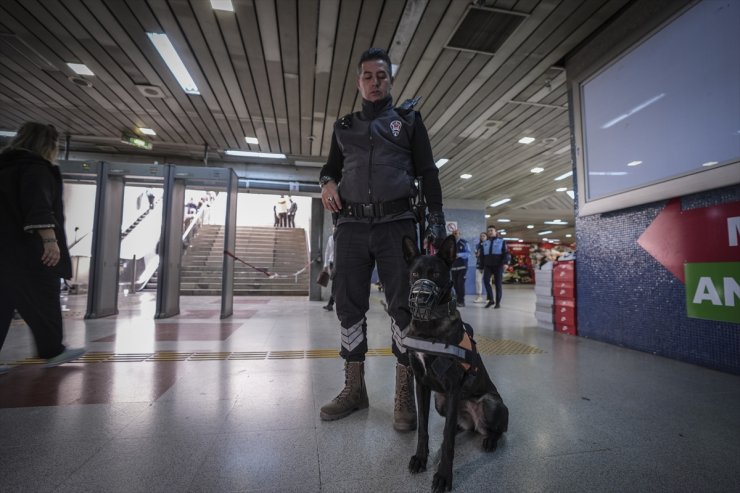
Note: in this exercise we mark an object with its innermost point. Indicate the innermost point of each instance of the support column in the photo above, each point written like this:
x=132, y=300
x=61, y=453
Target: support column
x=227, y=277
x=317, y=245
x=102, y=294
x=170, y=245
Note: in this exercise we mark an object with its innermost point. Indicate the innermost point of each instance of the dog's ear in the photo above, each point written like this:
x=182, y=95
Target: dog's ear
x=448, y=250
x=410, y=252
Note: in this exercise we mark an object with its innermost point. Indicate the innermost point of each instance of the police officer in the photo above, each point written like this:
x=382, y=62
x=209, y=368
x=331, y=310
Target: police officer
x=368, y=183
x=459, y=269
x=495, y=254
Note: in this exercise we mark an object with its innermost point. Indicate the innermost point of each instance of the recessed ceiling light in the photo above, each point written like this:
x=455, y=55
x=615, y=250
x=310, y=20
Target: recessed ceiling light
x=537, y=170
x=147, y=131
x=556, y=222
x=561, y=189
x=545, y=232
x=487, y=216
x=530, y=226
x=569, y=236
x=502, y=201
x=167, y=51
x=255, y=154
x=252, y=140
x=80, y=68
x=526, y=140
x=441, y=162
x=504, y=220
x=710, y=163
x=564, y=176
x=634, y=163
x=222, y=5
x=394, y=69
x=466, y=176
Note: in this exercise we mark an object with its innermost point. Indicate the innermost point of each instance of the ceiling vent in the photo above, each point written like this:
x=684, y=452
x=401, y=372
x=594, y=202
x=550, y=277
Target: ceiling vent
x=484, y=30
x=151, y=91
x=80, y=81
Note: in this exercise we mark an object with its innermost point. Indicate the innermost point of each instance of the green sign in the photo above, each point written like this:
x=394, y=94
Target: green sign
x=713, y=291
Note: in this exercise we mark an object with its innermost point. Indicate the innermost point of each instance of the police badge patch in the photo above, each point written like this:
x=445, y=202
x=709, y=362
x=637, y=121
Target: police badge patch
x=396, y=127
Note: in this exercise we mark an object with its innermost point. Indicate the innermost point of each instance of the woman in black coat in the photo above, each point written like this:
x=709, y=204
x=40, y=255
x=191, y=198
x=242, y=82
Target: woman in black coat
x=33, y=250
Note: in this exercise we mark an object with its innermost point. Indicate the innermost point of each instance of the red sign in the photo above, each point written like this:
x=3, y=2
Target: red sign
x=676, y=237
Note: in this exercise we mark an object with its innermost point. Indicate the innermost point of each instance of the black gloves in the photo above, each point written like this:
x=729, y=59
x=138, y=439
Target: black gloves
x=436, y=230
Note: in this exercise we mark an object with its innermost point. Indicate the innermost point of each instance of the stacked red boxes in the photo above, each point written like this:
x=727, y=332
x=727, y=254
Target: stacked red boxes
x=564, y=295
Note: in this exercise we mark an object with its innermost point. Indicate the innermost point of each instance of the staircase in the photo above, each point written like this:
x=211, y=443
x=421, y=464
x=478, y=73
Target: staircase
x=280, y=251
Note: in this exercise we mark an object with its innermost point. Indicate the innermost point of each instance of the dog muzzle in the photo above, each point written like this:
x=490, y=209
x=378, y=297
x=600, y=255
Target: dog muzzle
x=423, y=299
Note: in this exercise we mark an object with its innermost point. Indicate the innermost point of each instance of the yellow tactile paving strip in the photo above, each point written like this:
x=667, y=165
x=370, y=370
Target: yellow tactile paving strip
x=486, y=347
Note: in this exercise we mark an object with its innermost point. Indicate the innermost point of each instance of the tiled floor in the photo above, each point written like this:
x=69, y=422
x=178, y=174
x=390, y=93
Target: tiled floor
x=194, y=403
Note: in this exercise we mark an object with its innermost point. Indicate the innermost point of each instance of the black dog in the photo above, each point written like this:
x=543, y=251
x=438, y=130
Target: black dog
x=444, y=360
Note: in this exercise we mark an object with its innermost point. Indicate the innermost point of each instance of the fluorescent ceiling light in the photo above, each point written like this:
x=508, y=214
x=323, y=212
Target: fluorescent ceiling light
x=502, y=201
x=571, y=194
x=634, y=163
x=710, y=163
x=80, y=68
x=556, y=222
x=147, y=131
x=222, y=5
x=537, y=170
x=172, y=59
x=530, y=226
x=394, y=69
x=564, y=176
x=502, y=231
x=504, y=220
x=561, y=189
x=466, y=176
x=545, y=232
x=487, y=216
x=252, y=140
x=441, y=162
x=569, y=236
x=7, y=133
x=607, y=173
x=512, y=239
x=255, y=154
x=526, y=140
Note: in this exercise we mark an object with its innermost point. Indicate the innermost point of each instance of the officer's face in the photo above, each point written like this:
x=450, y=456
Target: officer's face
x=374, y=81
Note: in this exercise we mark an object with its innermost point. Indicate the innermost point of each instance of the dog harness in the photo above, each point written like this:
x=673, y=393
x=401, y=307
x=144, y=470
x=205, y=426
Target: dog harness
x=465, y=352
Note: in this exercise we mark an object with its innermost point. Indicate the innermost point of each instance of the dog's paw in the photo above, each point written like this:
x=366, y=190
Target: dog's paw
x=490, y=443
x=417, y=465
x=441, y=483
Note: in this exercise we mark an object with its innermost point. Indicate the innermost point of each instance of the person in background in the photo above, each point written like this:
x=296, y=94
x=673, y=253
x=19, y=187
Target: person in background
x=150, y=197
x=292, y=209
x=372, y=201
x=479, y=269
x=282, y=211
x=459, y=268
x=494, y=261
x=33, y=251
x=329, y=267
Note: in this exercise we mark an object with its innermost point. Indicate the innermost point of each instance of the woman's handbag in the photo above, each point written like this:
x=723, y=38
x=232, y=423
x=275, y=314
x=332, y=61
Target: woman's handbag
x=323, y=279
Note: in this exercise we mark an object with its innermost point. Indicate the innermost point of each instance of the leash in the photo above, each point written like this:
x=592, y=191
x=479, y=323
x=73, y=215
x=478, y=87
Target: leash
x=270, y=275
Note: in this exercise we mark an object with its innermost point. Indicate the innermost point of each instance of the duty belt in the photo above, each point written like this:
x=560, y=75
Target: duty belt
x=375, y=209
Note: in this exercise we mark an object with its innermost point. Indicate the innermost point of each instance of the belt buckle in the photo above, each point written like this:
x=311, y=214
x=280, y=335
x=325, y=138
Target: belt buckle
x=368, y=210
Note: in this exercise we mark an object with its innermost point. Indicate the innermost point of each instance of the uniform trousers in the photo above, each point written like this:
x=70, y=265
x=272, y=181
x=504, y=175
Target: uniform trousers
x=358, y=247
x=498, y=273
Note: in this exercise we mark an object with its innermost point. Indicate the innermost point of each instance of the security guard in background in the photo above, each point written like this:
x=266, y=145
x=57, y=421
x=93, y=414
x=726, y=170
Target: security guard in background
x=368, y=183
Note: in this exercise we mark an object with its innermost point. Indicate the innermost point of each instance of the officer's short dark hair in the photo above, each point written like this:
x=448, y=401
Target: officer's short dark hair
x=375, y=54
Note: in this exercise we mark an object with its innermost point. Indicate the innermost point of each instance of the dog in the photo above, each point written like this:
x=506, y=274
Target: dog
x=444, y=359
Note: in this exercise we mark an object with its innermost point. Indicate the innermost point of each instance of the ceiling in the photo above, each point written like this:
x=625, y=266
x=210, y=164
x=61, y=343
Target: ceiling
x=489, y=73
